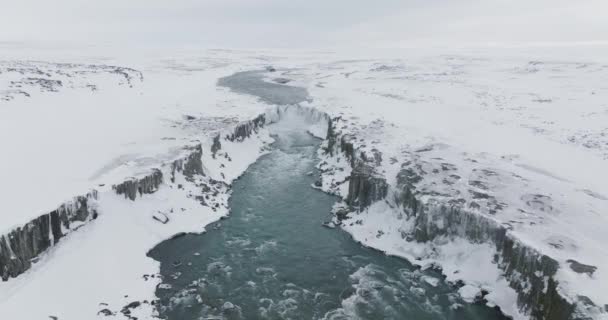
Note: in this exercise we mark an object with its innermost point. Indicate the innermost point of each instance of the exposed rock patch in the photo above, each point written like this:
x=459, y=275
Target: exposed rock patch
x=581, y=268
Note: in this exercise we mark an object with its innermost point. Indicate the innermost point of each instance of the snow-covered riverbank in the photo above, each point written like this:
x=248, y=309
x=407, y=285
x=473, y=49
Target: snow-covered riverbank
x=82, y=126
x=102, y=269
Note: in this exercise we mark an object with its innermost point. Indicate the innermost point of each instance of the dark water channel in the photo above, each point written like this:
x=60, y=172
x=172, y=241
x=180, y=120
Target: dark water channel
x=273, y=259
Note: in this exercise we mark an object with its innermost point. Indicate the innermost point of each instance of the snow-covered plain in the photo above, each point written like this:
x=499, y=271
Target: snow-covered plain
x=520, y=140
x=517, y=135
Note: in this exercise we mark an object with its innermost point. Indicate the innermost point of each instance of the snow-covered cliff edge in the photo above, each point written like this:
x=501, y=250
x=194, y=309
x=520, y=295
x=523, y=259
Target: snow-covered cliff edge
x=394, y=206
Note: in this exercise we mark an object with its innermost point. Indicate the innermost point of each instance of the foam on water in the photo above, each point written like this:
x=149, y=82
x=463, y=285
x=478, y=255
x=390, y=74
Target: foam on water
x=273, y=259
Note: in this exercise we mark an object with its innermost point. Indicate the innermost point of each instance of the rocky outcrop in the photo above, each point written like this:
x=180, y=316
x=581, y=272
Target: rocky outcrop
x=246, y=129
x=189, y=165
x=23, y=245
x=25, y=77
x=365, y=186
x=139, y=186
x=529, y=272
x=241, y=132
x=216, y=146
x=347, y=147
x=331, y=137
x=253, y=83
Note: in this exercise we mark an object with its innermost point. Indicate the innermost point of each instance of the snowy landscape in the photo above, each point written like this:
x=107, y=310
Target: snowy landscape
x=484, y=165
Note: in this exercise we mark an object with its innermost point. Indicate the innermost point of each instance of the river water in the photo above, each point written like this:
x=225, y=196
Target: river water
x=273, y=259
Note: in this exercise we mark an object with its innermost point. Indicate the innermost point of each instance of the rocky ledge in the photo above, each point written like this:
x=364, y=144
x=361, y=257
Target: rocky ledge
x=531, y=273
x=24, y=245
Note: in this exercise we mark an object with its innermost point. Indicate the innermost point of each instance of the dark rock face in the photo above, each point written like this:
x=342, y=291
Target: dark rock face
x=529, y=272
x=241, y=132
x=216, y=146
x=21, y=247
x=191, y=165
x=145, y=185
x=524, y=267
x=246, y=129
x=365, y=187
x=331, y=136
x=105, y=312
x=347, y=147
x=581, y=268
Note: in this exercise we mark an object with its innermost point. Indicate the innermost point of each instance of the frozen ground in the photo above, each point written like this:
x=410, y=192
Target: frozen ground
x=517, y=135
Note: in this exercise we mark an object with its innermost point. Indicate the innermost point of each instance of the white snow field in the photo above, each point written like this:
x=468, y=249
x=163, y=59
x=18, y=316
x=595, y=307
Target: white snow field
x=518, y=136
x=521, y=140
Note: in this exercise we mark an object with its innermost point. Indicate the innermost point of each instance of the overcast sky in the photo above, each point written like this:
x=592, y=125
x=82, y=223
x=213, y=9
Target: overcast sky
x=304, y=23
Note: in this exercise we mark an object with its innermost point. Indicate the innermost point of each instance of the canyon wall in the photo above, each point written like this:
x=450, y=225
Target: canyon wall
x=23, y=246
x=529, y=272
